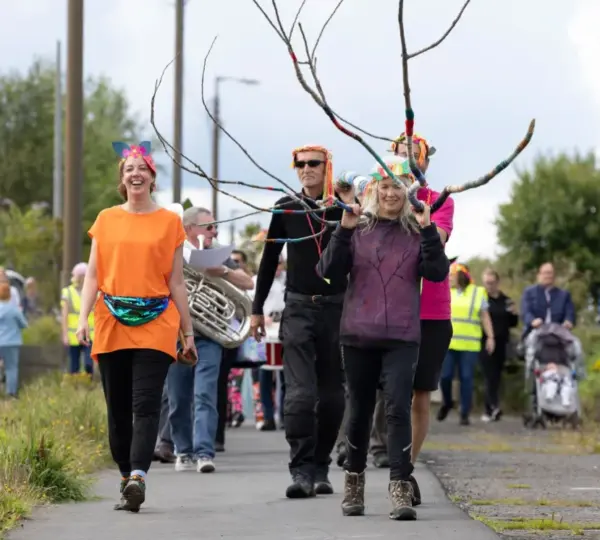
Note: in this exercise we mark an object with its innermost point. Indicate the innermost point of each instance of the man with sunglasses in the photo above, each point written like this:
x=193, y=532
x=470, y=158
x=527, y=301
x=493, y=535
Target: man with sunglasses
x=194, y=435
x=309, y=331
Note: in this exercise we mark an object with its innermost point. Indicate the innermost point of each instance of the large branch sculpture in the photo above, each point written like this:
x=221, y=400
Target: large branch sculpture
x=318, y=95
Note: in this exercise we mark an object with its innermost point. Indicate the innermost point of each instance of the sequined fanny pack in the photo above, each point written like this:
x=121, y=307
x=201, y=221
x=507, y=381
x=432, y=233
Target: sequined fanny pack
x=132, y=311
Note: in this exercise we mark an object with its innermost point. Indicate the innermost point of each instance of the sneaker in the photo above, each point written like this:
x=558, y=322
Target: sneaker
x=464, y=420
x=237, y=419
x=401, y=495
x=381, y=460
x=416, y=500
x=219, y=447
x=322, y=484
x=184, y=463
x=134, y=494
x=268, y=425
x=302, y=487
x=205, y=465
x=353, y=503
x=496, y=415
x=486, y=418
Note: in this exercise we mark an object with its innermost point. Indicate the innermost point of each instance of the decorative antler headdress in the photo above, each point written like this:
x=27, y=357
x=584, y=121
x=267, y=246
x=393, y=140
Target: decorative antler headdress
x=142, y=150
x=328, y=192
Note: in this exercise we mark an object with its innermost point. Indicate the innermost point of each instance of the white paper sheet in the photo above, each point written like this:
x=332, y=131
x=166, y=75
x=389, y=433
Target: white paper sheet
x=207, y=258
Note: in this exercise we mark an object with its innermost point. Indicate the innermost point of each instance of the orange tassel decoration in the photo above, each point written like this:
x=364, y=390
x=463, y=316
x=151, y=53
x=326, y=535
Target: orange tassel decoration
x=328, y=191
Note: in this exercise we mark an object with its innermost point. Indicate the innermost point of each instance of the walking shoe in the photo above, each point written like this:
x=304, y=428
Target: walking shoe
x=486, y=418
x=302, y=487
x=496, y=415
x=268, y=425
x=237, y=419
x=184, y=463
x=164, y=453
x=416, y=500
x=341, y=457
x=205, y=465
x=381, y=460
x=464, y=420
x=219, y=447
x=443, y=412
x=322, y=484
x=401, y=495
x=134, y=494
x=353, y=503
x=121, y=505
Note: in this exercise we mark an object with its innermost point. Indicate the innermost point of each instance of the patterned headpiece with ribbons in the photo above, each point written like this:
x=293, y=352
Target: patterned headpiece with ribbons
x=142, y=150
x=328, y=192
x=420, y=142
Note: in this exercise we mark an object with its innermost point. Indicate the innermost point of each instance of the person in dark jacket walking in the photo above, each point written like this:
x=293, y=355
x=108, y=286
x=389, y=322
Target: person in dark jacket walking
x=503, y=312
x=380, y=330
x=312, y=365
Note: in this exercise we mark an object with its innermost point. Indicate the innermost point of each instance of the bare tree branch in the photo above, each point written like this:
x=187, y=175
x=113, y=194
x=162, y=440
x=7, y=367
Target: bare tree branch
x=312, y=56
x=447, y=33
x=296, y=19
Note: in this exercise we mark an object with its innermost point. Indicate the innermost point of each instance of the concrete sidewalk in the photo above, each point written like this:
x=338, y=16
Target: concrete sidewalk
x=244, y=499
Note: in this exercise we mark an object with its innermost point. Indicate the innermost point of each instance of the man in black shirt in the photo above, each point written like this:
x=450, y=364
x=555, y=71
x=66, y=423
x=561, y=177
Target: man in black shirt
x=312, y=367
x=503, y=313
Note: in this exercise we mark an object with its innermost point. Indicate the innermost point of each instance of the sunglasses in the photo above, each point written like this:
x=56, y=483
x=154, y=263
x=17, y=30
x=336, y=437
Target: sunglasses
x=312, y=163
x=209, y=228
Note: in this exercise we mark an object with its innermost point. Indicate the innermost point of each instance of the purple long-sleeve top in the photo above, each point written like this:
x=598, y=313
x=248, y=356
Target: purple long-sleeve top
x=385, y=263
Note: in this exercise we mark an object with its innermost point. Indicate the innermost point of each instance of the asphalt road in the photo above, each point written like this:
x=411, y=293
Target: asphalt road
x=244, y=499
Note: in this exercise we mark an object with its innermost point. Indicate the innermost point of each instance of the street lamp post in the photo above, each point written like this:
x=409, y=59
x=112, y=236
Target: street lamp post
x=217, y=133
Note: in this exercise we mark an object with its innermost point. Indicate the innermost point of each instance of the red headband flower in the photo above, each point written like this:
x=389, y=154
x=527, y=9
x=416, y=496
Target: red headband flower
x=142, y=150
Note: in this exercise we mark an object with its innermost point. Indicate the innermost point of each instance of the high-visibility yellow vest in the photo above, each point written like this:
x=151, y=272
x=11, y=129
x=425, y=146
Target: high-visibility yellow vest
x=466, y=322
x=72, y=297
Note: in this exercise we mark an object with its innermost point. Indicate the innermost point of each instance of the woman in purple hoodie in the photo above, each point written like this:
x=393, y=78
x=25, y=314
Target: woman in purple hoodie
x=386, y=252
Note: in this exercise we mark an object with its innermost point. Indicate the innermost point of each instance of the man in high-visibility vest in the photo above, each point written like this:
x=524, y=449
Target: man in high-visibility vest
x=70, y=301
x=470, y=319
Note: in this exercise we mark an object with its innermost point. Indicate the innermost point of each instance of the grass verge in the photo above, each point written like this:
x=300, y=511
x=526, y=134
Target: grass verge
x=51, y=438
x=536, y=524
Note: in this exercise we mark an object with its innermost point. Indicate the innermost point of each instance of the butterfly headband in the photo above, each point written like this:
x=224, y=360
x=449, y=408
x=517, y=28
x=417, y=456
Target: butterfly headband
x=328, y=192
x=142, y=150
x=399, y=167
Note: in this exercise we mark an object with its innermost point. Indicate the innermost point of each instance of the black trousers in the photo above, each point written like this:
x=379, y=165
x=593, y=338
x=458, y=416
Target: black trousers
x=133, y=381
x=492, y=367
x=312, y=369
x=229, y=356
x=395, y=368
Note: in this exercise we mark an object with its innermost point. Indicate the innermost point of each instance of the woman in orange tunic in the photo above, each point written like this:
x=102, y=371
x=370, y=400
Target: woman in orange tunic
x=136, y=264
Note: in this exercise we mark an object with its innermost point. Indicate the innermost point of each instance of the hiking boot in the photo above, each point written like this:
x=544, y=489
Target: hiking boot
x=416, y=500
x=353, y=503
x=322, y=484
x=121, y=505
x=302, y=487
x=134, y=494
x=381, y=460
x=443, y=412
x=401, y=495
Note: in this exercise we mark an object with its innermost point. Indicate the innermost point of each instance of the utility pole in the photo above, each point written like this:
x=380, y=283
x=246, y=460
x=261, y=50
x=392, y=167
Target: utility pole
x=215, y=150
x=178, y=106
x=217, y=133
x=57, y=188
x=72, y=228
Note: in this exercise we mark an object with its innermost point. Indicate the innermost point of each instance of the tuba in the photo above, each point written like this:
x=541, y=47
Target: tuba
x=219, y=310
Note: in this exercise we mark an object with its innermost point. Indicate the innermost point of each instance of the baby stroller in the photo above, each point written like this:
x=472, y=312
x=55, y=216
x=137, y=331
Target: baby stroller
x=554, y=365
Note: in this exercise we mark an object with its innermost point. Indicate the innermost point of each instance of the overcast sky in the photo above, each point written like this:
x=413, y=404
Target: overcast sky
x=506, y=62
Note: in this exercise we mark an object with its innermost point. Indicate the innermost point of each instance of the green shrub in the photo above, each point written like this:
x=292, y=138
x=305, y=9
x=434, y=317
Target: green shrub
x=51, y=438
x=43, y=331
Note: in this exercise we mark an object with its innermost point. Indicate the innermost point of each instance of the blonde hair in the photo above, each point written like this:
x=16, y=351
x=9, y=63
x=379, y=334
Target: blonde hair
x=4, y=292
x=370, y=205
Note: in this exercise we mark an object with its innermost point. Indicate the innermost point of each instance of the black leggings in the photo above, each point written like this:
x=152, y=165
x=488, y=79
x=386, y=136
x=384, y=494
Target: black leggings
x=133, y=381
x=395, y=368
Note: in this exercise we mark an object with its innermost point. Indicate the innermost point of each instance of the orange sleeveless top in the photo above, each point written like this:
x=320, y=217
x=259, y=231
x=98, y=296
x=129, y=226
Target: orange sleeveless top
x=135, y=258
